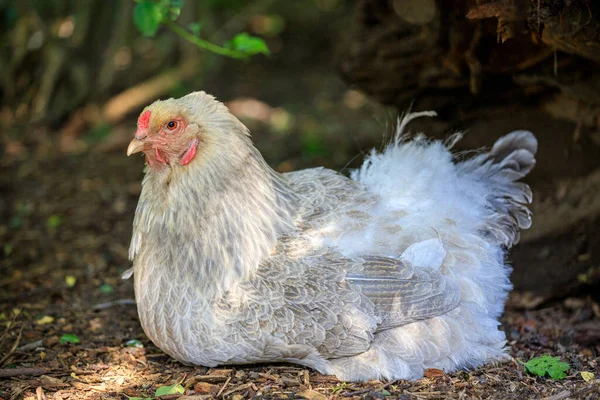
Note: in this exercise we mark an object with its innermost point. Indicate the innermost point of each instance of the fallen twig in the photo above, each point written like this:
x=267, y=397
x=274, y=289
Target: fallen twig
x=13, y=348
x=224, y=386
x=11, y=372
x=109, y=304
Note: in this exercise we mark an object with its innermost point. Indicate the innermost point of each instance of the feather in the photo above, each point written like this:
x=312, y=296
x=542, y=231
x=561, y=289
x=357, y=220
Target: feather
x=425, y=254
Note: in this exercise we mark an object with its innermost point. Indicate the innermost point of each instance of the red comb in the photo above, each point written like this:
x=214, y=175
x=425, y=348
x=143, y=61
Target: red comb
x=144, y=120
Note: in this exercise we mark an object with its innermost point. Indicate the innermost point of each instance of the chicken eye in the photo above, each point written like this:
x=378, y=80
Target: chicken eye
x=172, y=125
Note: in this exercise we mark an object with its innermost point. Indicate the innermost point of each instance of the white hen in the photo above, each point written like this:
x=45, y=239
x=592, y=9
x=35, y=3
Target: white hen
x=379, y=277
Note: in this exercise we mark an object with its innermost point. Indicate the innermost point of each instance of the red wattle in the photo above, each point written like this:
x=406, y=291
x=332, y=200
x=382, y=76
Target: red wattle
x=190, y=152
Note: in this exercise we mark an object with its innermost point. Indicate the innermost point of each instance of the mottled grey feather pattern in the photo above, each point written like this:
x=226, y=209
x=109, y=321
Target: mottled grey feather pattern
x=307, y=294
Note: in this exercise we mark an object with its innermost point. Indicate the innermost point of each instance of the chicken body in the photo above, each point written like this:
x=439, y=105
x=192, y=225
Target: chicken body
x=399, y=269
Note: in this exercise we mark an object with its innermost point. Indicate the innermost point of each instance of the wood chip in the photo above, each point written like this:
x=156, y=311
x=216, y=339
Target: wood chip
x=283, y=380
x=39, y=392
x=205, y=388
x=238, y=389
x=434, y=373
x=311, y=394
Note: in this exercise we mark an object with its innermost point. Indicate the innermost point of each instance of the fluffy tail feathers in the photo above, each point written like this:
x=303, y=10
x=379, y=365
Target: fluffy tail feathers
x=509, y=160
x=482, y=192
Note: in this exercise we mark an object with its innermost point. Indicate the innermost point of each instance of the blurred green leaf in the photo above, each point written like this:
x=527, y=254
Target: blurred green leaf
x=53, y=221
x=8, y=249
x=106, y=288
x=247, y=44
x=312, y=145
x=174, y=7
x=69, y=338
x=195, y=28
x=173, y=389
x=147, y=16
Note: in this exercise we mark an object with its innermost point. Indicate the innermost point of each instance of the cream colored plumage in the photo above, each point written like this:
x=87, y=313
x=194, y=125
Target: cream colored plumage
x=399, y=269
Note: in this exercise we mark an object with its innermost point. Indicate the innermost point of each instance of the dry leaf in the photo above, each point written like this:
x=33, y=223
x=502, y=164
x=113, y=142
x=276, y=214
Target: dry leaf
x=587, y=376
x=49, y=380
x=45, y=320
x=434, y=373
x=70, y=280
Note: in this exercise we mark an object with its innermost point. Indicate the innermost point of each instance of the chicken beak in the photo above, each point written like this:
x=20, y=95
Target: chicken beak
x=135, y=146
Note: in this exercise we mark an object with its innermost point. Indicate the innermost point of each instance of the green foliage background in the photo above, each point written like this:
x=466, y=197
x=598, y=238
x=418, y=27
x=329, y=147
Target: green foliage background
x=58, y=56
